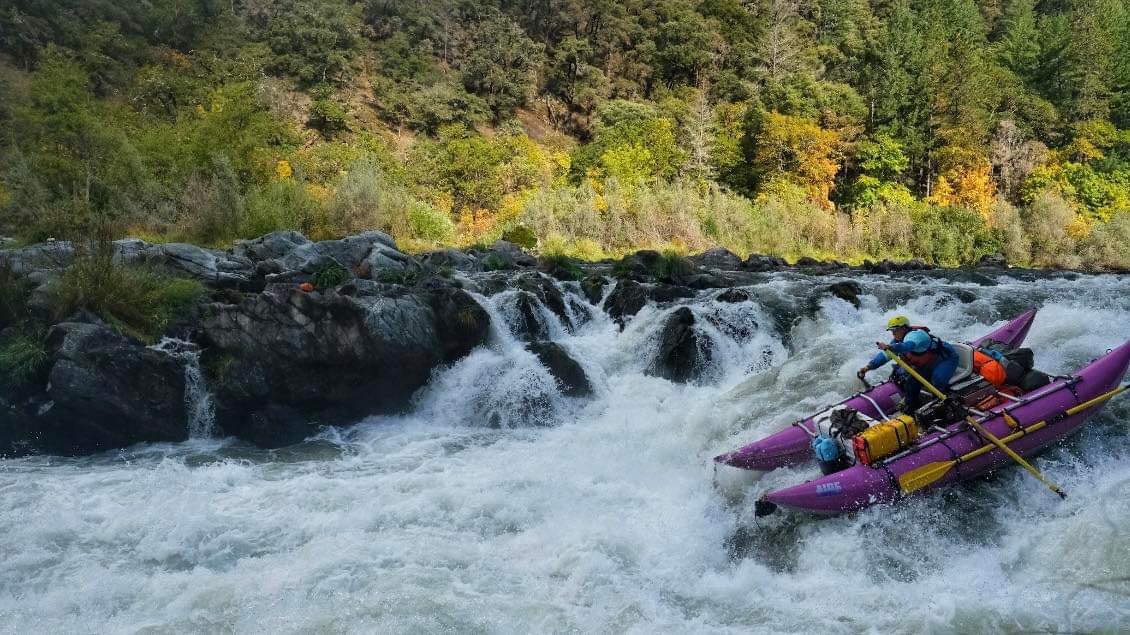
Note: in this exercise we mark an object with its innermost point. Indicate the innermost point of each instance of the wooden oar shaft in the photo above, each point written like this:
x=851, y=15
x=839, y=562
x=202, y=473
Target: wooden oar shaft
x=979, y=428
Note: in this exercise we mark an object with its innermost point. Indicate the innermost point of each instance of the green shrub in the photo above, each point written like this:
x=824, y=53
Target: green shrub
x=427, y=222
x=561, y=266
x=23, y=357
x=406, y=277
x=953, y=236
x=137, y=301
x=331, y=276
x=497, y=262
x=14, y=292
x=1108, y=245
x=671, y=266
x=522, y=236
x=283, y=205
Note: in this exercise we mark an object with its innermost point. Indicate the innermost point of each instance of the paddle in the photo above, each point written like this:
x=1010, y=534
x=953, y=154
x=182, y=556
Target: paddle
x=922, y=476
x=977, y=426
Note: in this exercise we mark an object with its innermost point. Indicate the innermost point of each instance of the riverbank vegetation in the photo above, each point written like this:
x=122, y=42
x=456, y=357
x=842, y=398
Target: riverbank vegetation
x=943, y=130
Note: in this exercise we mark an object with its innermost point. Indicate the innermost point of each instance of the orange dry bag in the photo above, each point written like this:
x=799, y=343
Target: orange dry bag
x=989, y=368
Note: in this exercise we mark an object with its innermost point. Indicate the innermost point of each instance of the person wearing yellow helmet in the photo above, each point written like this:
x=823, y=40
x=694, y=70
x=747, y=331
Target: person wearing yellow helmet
x=931, y=356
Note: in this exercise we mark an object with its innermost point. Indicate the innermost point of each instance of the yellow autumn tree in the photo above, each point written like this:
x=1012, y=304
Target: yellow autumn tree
x=965, y=179
x=797, y=150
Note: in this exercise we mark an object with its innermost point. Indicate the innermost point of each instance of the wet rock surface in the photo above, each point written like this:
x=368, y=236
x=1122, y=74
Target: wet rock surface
x=569, y=374
x=297, y=334
x=683, y=353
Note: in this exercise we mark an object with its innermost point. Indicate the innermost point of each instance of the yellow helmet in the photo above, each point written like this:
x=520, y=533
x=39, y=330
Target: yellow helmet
x=897, y=321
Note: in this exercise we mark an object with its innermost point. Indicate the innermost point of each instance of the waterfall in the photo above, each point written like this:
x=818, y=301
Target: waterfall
x=199, y=408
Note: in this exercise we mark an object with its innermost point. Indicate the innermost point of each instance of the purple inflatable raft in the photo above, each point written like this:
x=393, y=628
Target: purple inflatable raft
x=946, y=453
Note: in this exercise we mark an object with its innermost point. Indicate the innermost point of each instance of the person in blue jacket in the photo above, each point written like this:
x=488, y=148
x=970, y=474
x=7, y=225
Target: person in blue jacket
x=930, y=356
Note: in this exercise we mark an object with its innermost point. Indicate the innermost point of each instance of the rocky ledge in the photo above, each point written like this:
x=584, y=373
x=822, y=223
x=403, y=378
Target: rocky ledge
x=295, y=334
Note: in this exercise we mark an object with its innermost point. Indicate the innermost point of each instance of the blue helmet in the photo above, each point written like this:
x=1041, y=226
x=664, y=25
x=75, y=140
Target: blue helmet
x=918, y=340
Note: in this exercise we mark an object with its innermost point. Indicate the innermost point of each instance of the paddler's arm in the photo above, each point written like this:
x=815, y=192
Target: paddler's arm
x=875, y=362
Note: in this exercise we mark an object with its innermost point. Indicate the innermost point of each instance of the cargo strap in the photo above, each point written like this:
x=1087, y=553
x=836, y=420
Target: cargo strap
x=871, y=401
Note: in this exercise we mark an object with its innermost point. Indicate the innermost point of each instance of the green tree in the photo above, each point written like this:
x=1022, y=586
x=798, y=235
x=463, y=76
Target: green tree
x=501, y=64
x=314, y=41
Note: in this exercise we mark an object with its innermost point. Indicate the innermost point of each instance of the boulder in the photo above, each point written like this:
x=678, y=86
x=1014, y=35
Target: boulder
x=639, y=266
x=452, y=258
x=106, y=391
x=758, y=263
x=272, y=246
x=718, y=258
x=625, y=300
x=668, y=293
x=288, y=256
x=384, y=260
x=213, y=267
x=847, y=290
x=593, y=288
x=547, y=291
x=49, y=256
x=994, y=261
x=333, y=358
x=563, y=269
x=461, y=323
x=706, y=281
x=884, y=266
x=570, y=376
x=528, y=325
x=733, y=296
x=513, y=253
x=683, y=354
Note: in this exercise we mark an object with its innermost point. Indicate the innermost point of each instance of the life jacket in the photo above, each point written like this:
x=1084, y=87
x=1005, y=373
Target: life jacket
x=989, y=368
x=930, y=356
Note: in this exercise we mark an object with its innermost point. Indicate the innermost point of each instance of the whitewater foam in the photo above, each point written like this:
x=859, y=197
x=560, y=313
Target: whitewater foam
x=501, y=506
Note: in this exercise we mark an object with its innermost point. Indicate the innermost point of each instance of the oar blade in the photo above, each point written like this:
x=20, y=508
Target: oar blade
x=920, y=477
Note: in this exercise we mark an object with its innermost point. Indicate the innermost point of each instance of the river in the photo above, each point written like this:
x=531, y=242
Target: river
x=499, y=505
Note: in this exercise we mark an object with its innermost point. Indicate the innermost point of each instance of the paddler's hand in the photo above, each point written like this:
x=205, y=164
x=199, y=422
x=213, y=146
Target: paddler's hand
x=862, y=372
x=882, y=345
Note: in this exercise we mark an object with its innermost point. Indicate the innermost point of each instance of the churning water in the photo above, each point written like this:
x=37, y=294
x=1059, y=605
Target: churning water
x=501, y=506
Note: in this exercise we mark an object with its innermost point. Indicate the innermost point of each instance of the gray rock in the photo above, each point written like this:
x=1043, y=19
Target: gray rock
x=130, y=251
x=106, y=391
x=593, y=288
x=759, y=263
x=53, y=256
x=733, y=296
x=386, y=259
x=994, y=261
x=461, y=323
x=683, y=354
x=718, y=258
x=449, y=258
x=571, y=378
x=668, y=293
x=331, y=358
x=514, y=253
x=529, y=327
x=272, y=246
x=625, y=300
x=352, y=251
x=548, y=293
x=210, y=266
x=847, y=290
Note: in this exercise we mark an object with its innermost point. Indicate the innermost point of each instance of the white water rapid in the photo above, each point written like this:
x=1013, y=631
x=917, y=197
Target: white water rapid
x=501, y=506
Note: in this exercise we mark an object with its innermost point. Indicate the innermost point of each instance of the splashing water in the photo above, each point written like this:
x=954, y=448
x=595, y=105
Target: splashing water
x=499, y=505
x=199, y=409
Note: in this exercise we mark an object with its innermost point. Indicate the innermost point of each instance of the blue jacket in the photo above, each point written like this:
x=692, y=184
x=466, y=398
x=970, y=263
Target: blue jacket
x=899, y=348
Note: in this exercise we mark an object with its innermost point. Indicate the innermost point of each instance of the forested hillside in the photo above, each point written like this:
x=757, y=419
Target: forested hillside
x=939, y=129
